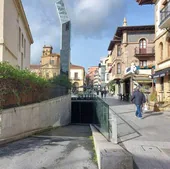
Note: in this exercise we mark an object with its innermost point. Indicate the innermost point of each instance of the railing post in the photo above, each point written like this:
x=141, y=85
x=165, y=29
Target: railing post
x=114, y=129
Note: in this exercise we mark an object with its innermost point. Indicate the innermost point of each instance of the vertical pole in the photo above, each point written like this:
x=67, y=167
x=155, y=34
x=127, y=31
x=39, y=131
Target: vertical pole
x=152, y=72
x=114, y=129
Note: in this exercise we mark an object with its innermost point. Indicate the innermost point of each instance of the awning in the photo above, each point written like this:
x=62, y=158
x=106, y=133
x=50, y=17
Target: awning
x=161, y=73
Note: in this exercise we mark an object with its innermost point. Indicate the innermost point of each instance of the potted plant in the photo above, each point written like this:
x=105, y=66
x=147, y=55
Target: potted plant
x=153, y=101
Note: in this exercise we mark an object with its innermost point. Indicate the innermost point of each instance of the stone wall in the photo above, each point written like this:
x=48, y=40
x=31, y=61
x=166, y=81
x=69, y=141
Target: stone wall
x=50, y=113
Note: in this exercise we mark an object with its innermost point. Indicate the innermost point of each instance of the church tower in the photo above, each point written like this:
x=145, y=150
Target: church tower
x=47, y=50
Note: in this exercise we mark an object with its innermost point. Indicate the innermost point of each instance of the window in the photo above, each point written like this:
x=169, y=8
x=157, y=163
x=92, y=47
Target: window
x=118, y=68
x=76, y=75
x=22, y=60
x=24, y=48
x=47, y=75
x=142, y=46
x=19, y=39
x=54, y=74
x=168, y=47
x=162, y=83
x=161, y=50
x=22, y=40
x=118, y=50
x=143, y=63
x=52, y=62
x=107, y=77
x=169, y=81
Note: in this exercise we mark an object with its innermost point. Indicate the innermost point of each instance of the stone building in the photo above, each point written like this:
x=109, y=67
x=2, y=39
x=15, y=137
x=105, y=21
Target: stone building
x=133, y=57
x=162, y=47
x=15, y=34
x=49, y=65
x=77, y=77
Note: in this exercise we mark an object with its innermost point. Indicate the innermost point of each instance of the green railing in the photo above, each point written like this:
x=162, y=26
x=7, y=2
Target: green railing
x=101, y=117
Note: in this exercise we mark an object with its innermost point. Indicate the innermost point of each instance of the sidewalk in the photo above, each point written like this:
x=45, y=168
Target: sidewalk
x=147, y=139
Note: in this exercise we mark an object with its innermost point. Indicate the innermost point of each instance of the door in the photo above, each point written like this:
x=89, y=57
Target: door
x=142, y=46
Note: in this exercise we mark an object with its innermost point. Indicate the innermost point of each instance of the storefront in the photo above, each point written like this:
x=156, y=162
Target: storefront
x=162, y=79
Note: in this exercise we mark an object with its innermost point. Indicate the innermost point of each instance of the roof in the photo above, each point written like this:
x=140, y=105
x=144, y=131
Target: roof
x=76, y=67
x=20, y=9
x=35, y=66
x=145, y=2
x=119, y=32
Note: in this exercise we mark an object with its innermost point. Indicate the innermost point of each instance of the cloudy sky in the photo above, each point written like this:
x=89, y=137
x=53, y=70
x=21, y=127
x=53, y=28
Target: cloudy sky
x=93, y=25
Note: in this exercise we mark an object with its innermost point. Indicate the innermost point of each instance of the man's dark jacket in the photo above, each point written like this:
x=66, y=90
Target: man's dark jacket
x=138, y=98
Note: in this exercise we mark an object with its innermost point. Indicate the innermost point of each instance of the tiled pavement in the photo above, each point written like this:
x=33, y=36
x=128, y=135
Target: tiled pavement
x=147, y=139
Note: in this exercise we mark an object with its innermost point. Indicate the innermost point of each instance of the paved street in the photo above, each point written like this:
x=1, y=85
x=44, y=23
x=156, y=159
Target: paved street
x=62, y=148
x=147, y=139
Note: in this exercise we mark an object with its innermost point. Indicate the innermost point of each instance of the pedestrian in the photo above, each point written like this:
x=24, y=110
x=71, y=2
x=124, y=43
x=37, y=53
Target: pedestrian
x=105, y=92
x=102, y=93
x=138, y=98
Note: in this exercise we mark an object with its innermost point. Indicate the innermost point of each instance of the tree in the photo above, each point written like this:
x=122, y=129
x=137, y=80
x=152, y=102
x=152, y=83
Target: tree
x=61, y=80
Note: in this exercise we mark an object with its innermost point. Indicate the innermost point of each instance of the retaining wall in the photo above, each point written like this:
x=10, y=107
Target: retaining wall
x=39, y=116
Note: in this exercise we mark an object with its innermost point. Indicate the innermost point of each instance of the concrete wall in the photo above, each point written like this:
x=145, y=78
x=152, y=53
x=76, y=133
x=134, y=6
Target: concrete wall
x=54, y=112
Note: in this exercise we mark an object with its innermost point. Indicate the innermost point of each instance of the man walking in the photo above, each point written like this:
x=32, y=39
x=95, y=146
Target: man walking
x=138, y=98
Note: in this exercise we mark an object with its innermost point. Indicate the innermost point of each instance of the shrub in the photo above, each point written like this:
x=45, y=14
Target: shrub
x=16, y=82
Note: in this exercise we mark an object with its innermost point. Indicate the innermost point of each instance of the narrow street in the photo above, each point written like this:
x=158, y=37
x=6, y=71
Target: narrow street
x=62, y=148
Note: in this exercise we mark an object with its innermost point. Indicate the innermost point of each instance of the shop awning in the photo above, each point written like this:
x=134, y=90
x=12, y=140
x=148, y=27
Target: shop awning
x=161, y=73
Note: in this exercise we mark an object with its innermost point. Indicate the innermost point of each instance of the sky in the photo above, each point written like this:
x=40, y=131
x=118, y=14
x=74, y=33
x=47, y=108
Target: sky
x=94, y=23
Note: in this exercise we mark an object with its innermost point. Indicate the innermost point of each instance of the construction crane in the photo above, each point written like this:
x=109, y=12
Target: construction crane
x=65, y=37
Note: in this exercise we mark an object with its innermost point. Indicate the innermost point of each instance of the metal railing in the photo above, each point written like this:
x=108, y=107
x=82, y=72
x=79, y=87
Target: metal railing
x=165, y=13
x=98, y=114
x=141, y=51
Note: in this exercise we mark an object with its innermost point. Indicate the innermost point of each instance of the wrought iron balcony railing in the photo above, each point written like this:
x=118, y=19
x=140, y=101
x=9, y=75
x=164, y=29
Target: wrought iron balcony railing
x=144, y=51
x=165, y=13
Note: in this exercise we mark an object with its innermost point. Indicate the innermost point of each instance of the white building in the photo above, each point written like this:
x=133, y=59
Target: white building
x=15, y=34
x=102, y=72
x=77, y=76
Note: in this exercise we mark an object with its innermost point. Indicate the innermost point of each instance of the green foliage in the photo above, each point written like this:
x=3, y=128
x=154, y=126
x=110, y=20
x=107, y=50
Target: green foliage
x=61, y=80
x=153, y=96
x=94, y=150
x=16, y=82
x=112, y=86
x=22, y=77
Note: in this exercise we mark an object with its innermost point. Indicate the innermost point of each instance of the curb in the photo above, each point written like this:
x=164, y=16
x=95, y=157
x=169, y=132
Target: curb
x=110, y=155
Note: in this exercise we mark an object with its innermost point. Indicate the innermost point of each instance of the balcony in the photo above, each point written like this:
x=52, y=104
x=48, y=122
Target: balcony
x=115, y=77
x=149, y=51
x=165, y=17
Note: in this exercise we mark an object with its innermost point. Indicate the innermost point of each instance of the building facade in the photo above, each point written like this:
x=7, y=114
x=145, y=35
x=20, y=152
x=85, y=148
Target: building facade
x=133, y=57
x=77, y=77
x=49, y=65
x=103, y=72
x=91, y=74
x=96, y=81
x=162, y=46
x=15, y=34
